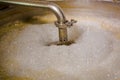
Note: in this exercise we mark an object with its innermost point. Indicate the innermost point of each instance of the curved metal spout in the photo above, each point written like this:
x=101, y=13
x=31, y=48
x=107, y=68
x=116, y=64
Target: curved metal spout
x=53, y=7
x=61, y=22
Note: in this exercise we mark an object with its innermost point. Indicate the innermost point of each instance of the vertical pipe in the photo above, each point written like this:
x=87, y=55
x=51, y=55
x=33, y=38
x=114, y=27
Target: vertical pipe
x=63, y=37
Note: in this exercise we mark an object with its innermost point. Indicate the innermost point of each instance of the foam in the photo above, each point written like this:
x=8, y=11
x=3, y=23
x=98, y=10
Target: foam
x=93, y=56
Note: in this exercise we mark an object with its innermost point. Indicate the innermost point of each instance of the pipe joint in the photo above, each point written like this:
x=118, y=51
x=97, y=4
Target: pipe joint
x=66, y=24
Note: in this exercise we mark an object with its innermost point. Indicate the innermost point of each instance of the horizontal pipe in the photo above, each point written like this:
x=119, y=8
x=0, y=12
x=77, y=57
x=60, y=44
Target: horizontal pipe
x=53, y=7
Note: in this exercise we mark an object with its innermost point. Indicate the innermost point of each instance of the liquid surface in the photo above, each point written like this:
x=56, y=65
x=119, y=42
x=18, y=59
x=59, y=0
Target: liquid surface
x=94, y=55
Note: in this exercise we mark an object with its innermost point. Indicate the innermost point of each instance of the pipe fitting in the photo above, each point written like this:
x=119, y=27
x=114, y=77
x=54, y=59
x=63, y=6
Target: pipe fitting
x=62, y=27
x=66, y=24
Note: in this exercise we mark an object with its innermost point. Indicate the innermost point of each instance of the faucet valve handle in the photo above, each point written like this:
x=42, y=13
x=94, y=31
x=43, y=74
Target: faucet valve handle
x=70, y=23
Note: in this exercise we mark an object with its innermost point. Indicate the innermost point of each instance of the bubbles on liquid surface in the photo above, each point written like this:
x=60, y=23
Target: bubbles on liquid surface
x=94, y=55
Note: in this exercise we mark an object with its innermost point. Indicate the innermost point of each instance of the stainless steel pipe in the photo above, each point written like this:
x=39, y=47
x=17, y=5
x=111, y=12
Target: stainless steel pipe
x=53, y=7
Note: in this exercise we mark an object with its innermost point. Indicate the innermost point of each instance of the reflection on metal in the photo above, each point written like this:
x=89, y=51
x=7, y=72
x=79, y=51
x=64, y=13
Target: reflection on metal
x=53, y=0
x=61, y=22
x=116, y=1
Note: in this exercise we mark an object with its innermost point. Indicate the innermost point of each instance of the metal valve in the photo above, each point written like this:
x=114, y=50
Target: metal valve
x=70, y=23
x=62, y=28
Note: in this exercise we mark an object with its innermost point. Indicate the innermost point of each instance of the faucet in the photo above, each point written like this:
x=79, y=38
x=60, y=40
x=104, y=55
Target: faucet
x=62, y=23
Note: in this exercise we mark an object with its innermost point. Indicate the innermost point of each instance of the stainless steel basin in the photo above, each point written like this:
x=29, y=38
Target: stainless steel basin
x=15, y=19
